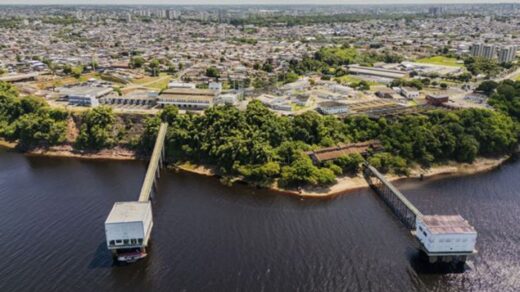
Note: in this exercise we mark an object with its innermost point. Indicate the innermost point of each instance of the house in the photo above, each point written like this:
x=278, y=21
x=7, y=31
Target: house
x=409, y=92
x=275, y=102
x=302, y=99
x=437, y=99
x=187, y=98
x=332, y=108
x=386, y=92
x=215, y=86
x=227, y=99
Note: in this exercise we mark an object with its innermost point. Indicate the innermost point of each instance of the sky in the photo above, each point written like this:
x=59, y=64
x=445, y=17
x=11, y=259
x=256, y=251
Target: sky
x=224, y=2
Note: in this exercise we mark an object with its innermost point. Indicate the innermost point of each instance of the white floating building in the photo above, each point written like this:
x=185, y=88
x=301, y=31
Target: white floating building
x=442, y=236
x=128, y=229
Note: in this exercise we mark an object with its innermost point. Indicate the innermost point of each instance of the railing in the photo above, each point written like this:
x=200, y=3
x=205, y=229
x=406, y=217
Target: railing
x=155, y=164
x=397, y=202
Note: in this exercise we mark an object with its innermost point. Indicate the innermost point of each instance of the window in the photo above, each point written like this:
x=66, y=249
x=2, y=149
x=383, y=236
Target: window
x=140, y=240
x=425, y=235
x=118, y=241
x=112, y=242
x=125, y=241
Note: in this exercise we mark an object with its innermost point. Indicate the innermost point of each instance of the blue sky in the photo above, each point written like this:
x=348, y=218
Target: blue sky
x=216, y=2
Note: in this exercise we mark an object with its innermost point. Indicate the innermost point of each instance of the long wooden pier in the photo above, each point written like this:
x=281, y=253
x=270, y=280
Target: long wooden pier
x=398, y=203
x=155, y=165
x=438, y=236
x=129, y=225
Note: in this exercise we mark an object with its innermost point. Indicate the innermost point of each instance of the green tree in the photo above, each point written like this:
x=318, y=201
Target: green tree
x=137, y=62
x=487, y=87
x=213, y=72
x=39, y=129
x=97, y=130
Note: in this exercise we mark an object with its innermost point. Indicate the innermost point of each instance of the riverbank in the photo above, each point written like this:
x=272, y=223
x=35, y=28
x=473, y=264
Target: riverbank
x=348, y=184
x=67, y=151
x=343, y=184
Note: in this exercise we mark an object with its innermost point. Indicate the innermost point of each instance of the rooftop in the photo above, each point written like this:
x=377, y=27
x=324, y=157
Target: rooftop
x=447, y=224
x=85, y=90
x=128, y=212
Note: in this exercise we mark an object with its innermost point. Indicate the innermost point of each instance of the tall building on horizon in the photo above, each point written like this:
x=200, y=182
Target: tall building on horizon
x=507, y=54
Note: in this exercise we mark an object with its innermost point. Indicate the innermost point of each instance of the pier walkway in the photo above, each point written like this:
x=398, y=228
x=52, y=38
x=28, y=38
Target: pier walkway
x=398, y=203
x=444, y=238
x=155, y=165
x=129, y=225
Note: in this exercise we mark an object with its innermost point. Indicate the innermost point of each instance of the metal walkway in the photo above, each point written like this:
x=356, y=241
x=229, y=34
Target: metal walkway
x=155, y=165
x=397, y=202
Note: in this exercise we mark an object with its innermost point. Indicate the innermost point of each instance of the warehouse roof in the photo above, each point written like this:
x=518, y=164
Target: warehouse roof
x=439, y=224
x=128, y=212
x=330, y=153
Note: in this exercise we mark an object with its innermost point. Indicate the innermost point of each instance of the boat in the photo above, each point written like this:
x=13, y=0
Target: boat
x=131, y=257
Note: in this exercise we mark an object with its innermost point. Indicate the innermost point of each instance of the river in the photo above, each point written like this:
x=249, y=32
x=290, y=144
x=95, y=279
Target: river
x=210, y=237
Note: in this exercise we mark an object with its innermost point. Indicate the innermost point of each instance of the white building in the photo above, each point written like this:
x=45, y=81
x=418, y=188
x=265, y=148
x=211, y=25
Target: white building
x=175, y=84
x=227, y=99
x=84, y=95
x=275, y=102
x=445, y=234
x=332, y=108
x=215, y=86
x=409, y=92
x=128, y=228
x=187, y=98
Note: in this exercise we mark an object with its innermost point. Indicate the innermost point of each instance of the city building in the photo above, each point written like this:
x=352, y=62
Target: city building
x=378, y=72
x=215, y=86
x=386, y=92
x=332, y=108
x=175, y=84
x=409, y=92
x=84, y=95
x=143, y=99
x=507, y=54
x=489, y=52
x=187, y=98
x=330, y=153
x=437, y=99
x=227, y=99
x=477, y=50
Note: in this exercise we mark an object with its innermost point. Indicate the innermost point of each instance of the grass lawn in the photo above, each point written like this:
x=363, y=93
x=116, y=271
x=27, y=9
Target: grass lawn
x=57, y=82
x=440, y=60
x=159, y=84
x=348, y=79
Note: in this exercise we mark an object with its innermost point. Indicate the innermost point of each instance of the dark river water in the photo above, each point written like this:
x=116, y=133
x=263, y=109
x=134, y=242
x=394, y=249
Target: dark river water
x=209, y=237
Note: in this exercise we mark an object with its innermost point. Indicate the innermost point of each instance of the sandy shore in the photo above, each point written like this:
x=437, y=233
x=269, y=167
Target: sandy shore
x=347, y=184
x=67, y=151
x=6, y=144
x=343, y=185
x=116, y=153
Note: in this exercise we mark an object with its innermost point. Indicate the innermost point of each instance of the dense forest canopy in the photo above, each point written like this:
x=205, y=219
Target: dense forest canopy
x=263, y=146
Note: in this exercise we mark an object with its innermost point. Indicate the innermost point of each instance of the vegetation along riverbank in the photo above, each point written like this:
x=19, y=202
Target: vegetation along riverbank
x=268, y=150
